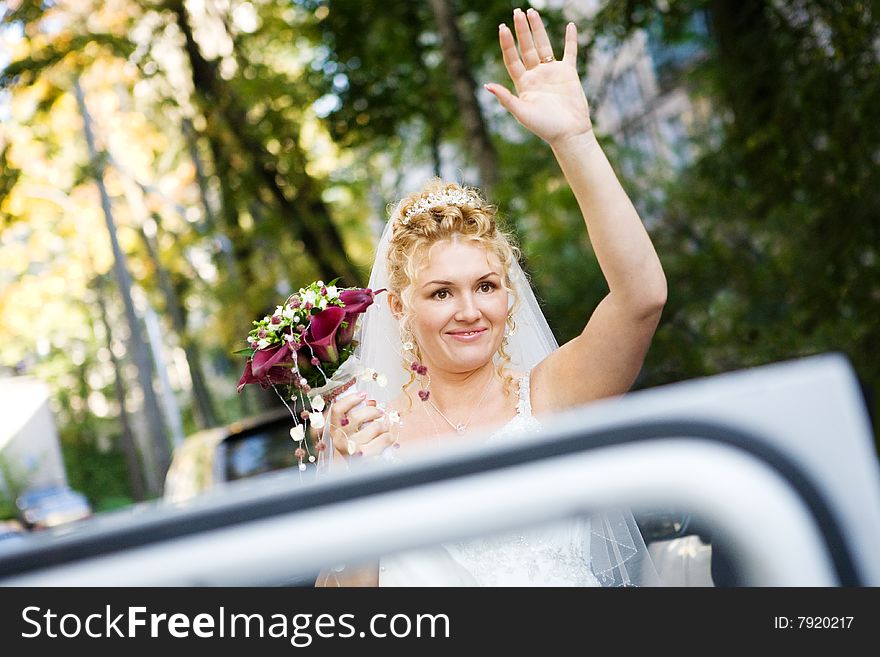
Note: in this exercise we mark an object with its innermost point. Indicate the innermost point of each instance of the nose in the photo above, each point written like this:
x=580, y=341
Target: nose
x=468, y=311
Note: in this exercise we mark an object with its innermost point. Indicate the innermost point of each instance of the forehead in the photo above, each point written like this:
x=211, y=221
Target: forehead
x=453, y=260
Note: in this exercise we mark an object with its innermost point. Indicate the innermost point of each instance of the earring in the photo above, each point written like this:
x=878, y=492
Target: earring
x=422, y=371
x=411, y=362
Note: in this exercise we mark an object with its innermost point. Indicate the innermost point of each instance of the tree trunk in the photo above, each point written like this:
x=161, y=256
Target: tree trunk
x=210, y=224
x=226, y=256
x=128, y=443
x=435, y=128
x=464, y=87
x=192, y=143
x=313, y=225
x=203, y=406
x=161, y=451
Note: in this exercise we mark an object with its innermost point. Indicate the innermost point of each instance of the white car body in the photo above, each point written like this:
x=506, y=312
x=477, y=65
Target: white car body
x=780, y=458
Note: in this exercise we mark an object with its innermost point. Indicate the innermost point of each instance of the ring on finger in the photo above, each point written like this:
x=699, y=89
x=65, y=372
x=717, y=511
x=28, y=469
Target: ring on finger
x=548, y=59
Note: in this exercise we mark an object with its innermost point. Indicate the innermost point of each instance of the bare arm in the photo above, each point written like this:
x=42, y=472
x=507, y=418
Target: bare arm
x=607, y=356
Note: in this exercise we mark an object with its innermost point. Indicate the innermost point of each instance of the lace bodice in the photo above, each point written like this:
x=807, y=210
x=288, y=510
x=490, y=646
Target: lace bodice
x=552, y=555
x=523, y=421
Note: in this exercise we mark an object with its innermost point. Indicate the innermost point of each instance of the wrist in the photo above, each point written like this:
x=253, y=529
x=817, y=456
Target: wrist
x=575, y=142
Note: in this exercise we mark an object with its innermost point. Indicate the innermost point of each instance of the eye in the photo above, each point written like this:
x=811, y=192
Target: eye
x=487, y=286
x=441, y=294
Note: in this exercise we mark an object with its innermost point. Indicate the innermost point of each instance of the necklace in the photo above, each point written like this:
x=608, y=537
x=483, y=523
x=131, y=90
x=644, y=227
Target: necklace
x=461, y=427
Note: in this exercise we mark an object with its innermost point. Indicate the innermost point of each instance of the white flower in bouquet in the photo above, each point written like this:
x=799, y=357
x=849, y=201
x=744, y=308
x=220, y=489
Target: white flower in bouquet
x=307, y=344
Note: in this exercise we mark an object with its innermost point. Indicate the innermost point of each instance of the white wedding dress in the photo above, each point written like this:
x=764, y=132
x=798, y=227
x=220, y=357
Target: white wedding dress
x=554, y=555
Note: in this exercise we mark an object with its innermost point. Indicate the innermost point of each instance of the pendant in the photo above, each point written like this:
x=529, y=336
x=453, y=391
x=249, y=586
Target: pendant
x=460, y=429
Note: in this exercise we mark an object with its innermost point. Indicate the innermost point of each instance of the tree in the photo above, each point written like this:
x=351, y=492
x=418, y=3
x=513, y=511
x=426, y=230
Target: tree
x=120, y=52
x=770, y=237
x=161, y=449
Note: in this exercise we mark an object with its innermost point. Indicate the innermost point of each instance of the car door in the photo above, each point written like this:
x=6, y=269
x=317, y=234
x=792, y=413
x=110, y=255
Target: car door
x=777, y=463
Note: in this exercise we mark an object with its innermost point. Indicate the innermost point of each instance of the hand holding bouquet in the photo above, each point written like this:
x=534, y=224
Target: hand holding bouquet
x=307, y=345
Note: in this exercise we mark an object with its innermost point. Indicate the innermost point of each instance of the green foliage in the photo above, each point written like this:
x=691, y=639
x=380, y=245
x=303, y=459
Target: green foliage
x=307, y=125
x=769, y=240
x=12, y=484
x=383, y=63
x=99, y=475
x=24, y=71
x=9, y=176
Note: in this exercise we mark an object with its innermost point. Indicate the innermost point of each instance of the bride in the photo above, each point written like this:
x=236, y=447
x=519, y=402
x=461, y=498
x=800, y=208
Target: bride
x=467, y=352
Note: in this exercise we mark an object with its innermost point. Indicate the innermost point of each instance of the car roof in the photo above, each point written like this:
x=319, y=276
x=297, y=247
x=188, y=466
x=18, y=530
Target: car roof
x=193, y=463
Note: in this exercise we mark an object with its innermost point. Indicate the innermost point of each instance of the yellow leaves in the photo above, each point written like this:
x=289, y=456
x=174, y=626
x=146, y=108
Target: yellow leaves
x=26, y=307
x=324, y=155
x=111, y=16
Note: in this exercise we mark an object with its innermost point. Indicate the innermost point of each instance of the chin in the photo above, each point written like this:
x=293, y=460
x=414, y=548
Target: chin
x=470, y=361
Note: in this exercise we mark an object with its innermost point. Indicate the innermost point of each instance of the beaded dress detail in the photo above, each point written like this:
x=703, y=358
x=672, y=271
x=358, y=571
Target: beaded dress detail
x=556, y=554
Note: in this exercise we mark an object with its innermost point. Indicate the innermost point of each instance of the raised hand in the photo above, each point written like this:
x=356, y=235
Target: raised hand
x=550, y=100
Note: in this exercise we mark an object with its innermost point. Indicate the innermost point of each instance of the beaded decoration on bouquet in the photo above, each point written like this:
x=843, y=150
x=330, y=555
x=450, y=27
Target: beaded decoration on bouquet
x=304, y=352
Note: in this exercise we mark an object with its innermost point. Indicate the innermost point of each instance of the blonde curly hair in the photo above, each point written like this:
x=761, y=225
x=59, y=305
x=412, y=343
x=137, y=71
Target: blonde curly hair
x=419, y=225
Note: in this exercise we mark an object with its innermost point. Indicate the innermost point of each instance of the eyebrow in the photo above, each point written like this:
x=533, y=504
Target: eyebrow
x=484, y=276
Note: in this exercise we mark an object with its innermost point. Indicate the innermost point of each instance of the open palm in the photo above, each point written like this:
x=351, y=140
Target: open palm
x=550, y=100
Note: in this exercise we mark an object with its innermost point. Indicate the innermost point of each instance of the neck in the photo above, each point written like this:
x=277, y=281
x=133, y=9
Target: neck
x=461, y=425
x=448, y=389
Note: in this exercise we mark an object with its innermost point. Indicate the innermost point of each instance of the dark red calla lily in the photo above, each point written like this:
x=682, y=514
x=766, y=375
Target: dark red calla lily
x=247, y=377
x=321, y=336
x=328, y=331
x=356, y=302
x=274, y=375
x=264, y=359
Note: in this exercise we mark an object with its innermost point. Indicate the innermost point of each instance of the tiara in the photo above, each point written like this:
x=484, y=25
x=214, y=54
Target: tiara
x=449, y=197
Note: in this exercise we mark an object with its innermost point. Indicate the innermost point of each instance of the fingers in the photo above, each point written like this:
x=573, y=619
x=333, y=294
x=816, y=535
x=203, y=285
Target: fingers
x=339, y=411
x=372, y=438
x=345, y=404
x=527, y=49
x=354, y=424
x=508, y=101
x=539, y=35
x=512, y=62
x=570, y=54
x=364, y=414
x=374, y=447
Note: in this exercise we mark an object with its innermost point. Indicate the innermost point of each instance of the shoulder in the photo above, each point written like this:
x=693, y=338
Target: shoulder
x=516, y=381
x=602, y=362
x=517, y=387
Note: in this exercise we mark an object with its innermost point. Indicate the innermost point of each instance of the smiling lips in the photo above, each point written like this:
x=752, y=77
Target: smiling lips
x=467, y=336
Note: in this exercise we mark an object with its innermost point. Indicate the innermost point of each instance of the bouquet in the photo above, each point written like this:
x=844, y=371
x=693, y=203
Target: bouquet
x=307, y=345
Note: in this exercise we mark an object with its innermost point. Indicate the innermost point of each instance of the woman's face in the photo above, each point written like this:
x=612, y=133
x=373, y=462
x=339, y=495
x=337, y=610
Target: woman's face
x=459, y=306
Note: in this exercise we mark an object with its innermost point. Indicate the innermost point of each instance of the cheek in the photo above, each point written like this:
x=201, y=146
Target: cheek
x=428, y=318
x=498, y=308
